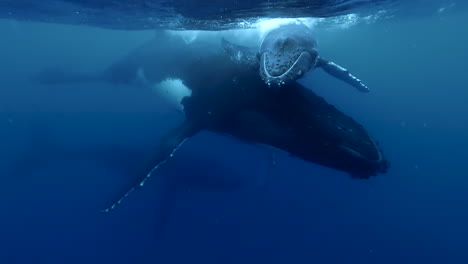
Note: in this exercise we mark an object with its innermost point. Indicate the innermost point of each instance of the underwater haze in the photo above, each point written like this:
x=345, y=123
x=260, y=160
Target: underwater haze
x=68, y=149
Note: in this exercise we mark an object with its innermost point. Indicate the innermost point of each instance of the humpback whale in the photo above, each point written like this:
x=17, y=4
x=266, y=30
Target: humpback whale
x=231, y=99
x=216, y=94
x=286, y=54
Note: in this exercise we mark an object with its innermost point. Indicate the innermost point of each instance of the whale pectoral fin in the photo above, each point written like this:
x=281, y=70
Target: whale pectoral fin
x=343, y=74
x=240, y=54
x=168, y=146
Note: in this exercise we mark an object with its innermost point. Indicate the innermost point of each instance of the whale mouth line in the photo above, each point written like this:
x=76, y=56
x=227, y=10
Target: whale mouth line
x=295, y=71
x=301, y=55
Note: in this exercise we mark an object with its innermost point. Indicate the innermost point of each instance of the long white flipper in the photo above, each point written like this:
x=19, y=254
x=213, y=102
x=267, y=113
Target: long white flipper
x=343, y=74
x=169, y=145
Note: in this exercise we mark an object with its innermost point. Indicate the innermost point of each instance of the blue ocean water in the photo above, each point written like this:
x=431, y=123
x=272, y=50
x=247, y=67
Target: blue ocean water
x=67, y=149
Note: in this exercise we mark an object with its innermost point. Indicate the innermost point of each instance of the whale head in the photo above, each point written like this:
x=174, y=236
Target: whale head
x=287, y=53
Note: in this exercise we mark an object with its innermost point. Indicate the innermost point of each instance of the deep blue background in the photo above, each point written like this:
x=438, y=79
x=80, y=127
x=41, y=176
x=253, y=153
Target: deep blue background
x=66, y=150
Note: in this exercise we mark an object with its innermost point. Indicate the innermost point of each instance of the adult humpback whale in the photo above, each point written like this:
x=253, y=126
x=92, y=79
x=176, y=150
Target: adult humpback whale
x=286, y=54
x=235, y=101
x=221, y=96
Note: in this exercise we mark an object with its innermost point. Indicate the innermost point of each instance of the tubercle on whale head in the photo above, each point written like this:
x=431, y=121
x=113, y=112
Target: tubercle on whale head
x=286, y=68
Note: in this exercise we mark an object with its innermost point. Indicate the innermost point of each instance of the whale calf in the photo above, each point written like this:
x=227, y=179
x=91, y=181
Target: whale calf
x=286, y=54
